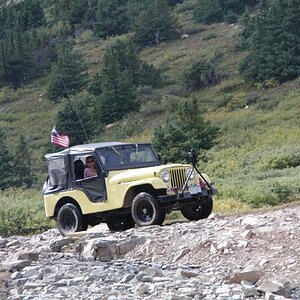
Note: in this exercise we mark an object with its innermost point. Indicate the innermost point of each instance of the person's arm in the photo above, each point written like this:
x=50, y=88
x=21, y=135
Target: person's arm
x=88, y=172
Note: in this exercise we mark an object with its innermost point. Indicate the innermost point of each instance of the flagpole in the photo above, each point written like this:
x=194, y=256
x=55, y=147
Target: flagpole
x=81, y=123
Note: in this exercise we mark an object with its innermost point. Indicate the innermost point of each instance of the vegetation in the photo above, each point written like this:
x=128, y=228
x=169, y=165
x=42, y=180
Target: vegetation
x=154, y=23
x=22, y=212
x=273, y=36
x=187, y=130
x=201, y=75
x=67, y=75
x=135, y=72
x=211, y=11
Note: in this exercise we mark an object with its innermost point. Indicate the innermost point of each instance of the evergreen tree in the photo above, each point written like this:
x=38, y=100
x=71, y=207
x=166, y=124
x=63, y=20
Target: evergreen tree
x=140, y=73
x=67, y=75
x=208, y=11
x=185, y=131
x=274, y=41
x=174, y=2
x=155, y=23
x=22, y=163
x=6, y=170
x=211, y=11
x=125, y=55
x=18, y=63
x=75, y=118
x=118, y=91
x=31, y=14
x=111, y=18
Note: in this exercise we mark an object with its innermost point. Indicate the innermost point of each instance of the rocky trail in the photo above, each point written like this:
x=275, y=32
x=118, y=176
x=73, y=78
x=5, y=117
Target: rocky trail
x=252, y=256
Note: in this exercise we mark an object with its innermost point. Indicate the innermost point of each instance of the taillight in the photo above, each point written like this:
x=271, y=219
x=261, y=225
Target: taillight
x=202, y=183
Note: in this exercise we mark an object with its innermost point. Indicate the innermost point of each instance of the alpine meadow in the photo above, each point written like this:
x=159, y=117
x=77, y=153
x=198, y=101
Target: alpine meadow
x=221, y=77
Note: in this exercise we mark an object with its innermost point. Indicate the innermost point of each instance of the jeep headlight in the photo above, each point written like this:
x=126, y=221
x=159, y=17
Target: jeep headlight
x=165, y=175
x=188, y=172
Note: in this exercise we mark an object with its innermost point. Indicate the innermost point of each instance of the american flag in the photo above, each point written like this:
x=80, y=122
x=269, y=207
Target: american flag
x=61, y=140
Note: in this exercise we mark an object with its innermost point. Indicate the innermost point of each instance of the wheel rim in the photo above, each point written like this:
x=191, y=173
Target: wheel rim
x=68, y=221
x=145, y=211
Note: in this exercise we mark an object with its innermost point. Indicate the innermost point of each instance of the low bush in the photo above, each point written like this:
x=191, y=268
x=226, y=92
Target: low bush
x=22, y=212
x=193, y=29
x=281, y=161
x=201, y=75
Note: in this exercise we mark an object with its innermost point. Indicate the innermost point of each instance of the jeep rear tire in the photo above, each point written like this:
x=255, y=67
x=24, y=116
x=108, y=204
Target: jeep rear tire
x=120, y=223
x=70, y=219
x=198, y=212
x=146, y=211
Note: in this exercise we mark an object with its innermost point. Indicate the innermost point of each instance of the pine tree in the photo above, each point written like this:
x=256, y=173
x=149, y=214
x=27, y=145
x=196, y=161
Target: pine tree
x=111, y=18
x=155, y=23
x=208, y=11
x=140, y=73
x=67, y=75
x=185, y=131
x=274, y=44
x=118, y=91
x=211, y=11
x=6, y=170
x=76, y=119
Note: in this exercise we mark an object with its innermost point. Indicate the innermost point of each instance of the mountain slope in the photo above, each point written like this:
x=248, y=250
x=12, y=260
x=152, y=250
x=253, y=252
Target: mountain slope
x=256, y=160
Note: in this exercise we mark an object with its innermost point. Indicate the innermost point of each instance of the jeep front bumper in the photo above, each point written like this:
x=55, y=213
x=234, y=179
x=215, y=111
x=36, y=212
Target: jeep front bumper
x=185, y=197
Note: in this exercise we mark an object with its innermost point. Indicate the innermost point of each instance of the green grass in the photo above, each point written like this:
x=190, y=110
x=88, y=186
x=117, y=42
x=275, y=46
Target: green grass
x=22, y=212
x=256, y=161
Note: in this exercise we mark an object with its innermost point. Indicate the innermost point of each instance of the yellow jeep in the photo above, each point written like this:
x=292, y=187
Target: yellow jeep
x=132, y=187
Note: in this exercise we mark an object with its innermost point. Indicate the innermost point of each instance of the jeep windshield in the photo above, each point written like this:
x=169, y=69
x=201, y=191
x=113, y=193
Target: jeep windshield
x=127, y=157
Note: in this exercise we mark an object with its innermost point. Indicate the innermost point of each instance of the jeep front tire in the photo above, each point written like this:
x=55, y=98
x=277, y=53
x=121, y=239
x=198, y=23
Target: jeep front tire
x=146, y=211
x=70, y=219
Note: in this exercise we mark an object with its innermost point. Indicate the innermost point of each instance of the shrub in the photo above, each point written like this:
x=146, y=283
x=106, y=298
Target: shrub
x=85, y=36
x=231, y=17
x=209, y=36
x=193, y=29
x=22, y=212
x=201, y=75
x=187, y=5
x=282, y=161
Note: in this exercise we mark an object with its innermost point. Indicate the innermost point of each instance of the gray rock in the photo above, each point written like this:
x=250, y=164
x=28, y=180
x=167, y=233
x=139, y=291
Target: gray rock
x=188, y=273
x=249, y=291
x=15, y=265
x=56, y=245
x=3, y=243
x=251, y=276
x=26, y=255
x=274, y=287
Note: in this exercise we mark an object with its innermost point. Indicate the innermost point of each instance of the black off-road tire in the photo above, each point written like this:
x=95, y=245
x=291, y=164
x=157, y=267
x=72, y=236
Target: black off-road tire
x=146, y=211
x=198, y=212
x=120, y=223
x=70, y=219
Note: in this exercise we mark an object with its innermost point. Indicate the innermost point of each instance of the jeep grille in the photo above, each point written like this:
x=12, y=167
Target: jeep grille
x=178, y=178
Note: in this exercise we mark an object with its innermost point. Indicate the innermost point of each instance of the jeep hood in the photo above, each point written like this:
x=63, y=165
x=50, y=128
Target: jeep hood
x=116, y=177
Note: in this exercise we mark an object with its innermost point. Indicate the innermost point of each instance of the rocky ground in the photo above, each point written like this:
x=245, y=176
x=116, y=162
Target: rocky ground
x=253, y=256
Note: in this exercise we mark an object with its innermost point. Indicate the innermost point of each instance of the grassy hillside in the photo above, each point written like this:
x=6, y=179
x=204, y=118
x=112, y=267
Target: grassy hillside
x=256, y=161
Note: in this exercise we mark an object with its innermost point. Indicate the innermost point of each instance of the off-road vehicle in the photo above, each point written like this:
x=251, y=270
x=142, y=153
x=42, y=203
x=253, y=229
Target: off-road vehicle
x=132, y=187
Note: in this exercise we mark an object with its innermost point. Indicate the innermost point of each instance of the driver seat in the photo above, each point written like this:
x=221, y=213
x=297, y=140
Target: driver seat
x=79, y=169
